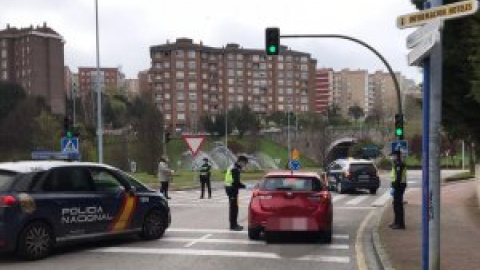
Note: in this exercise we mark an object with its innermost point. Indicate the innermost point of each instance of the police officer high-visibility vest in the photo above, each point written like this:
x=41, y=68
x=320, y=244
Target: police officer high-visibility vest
x=205, y=169
x=229, y=177
x=404, y=174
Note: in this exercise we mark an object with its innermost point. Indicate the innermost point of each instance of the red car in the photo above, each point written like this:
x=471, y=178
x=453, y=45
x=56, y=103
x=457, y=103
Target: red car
x=286, y=201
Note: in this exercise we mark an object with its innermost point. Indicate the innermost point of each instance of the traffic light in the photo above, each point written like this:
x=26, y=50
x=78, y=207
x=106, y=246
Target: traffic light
x=272, y=41
x=399, y=132
x=67, y=127
x=167, y=136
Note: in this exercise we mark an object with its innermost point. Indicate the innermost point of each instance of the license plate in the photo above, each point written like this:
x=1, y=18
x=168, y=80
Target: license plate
x=363, y=177
x=289, y=224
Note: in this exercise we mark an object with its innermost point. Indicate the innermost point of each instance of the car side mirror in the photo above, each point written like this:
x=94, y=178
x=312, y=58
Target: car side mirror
x=132, y=191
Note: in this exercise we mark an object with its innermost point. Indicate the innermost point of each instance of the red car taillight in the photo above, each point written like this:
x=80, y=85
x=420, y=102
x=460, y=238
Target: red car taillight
x=322, y=196
x=8, y=200
x=261, y=196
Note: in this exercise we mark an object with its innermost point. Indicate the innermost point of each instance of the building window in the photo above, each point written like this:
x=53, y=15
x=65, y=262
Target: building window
x=280, y=107
x=167, y=96
x=179, y=53
x=180, y=96
x=4, y=53
x=168, y=116
x=180, y=85
x=193, y=106
x=191, y=54
x=180, y=75
x=192, y=85
x=181, y=116
x=240, y=98
x=180, y=107
x=179, y=64
x=192, y=64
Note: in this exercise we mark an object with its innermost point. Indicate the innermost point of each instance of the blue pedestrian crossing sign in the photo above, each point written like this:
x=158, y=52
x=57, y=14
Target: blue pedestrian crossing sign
x=69, y=145
x=401, y=146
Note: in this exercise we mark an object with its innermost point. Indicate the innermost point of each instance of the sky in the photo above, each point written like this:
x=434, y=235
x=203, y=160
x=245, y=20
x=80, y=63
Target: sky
x=127, y=28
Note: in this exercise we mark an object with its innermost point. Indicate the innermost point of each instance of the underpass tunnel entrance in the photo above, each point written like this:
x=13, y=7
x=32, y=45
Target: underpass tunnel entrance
x=339, y=149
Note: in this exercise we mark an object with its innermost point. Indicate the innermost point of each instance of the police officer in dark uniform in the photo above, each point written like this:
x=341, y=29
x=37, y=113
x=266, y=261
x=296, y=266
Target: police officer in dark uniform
x=399, y=184
x=205, y=178
x=232, y=185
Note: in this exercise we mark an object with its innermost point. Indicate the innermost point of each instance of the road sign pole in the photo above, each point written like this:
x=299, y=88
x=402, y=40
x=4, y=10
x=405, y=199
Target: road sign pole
x=425, y=159
x=434, y=150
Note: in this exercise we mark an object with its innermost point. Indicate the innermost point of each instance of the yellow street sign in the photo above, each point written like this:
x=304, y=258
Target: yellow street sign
x=445, y=12
x=295, y=154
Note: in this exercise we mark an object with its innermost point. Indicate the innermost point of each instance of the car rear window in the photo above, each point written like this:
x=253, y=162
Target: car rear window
x=362, y=168
x=6, y=179
x=291, y=184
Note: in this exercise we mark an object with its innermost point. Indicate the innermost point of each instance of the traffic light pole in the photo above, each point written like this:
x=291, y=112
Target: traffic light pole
x=390, y=70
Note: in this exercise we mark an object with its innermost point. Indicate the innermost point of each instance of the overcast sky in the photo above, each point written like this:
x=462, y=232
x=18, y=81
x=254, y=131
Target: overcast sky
x=129, y=27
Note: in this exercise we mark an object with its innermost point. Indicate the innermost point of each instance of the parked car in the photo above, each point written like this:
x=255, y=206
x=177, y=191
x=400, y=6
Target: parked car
x=291, y=201
x=350, y=174
x=46, y=203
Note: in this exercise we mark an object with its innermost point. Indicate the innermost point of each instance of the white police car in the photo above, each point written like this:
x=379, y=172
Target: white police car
x=46, y=203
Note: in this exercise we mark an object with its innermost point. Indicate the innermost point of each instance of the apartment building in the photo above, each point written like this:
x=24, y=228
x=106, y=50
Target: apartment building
x=34, y=58
x=385, y=93
x=351, y=88
x=323, y=89
x=110, y=79
x=189, y=80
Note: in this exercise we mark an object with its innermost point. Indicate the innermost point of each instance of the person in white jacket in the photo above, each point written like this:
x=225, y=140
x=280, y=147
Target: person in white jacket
x=164, y=176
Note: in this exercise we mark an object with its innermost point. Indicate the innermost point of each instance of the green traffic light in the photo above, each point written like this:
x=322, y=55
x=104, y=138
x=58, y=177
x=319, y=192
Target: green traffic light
x=399, y=131
x=69, y=134
x=272, y=49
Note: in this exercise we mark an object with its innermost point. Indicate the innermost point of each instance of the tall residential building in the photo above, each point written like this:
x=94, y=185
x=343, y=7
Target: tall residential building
x=133, y=87
x=190, y=80
x=351, y=88
x=143, y=81
x=33, y=58
x=111, y=79
x=386, y=101
x=323, y=89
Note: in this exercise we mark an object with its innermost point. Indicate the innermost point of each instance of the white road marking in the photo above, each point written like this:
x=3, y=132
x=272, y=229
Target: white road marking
x=357, y=200
x=362, y=265
x=222, y=253
x=233, y=242
x=338, y=197
x=191, y=243
x=383, y=199
x=222, y=231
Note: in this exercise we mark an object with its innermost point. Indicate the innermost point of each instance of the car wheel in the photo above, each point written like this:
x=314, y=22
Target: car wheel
x=154, y=225
x=326, y=236
x=339, y=187
x=35, y=241
x=373, y=191
x=254, y=233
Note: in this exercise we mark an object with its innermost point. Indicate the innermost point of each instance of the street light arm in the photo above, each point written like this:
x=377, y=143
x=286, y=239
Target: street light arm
x=390, y=70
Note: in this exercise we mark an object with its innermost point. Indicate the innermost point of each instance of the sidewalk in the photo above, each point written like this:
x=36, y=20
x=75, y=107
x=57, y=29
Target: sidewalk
x=460, y=230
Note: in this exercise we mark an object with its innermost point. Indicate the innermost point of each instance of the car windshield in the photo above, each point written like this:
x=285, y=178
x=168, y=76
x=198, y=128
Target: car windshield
x=6, y=180
x=362, y=168
x=291, y=184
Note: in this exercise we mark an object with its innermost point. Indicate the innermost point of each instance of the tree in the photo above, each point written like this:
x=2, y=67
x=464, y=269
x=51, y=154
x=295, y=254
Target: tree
x=149, y=129
x=10, y=95
x=356, y=112
x=461, y=77
x=244, y=119
x=48, y=131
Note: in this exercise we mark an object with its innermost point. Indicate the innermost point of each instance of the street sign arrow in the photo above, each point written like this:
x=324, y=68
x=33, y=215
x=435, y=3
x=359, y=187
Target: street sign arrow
x=421, y=33
x=422, y=49
x=446, y=12
x=194, y=142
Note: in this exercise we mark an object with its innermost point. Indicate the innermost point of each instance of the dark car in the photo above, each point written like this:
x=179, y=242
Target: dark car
x=46, y=203
x=350, y=174
x=291, y=202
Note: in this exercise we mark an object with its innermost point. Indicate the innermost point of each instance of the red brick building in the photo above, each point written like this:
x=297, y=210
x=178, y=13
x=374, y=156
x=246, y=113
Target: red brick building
x=323, y=89
x=189, y=80
x=34, y=58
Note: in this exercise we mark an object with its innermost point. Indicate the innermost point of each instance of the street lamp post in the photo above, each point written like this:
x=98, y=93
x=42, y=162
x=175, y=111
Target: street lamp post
x=99, y=94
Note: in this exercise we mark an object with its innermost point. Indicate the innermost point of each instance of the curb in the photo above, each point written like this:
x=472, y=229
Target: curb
x=380, y=251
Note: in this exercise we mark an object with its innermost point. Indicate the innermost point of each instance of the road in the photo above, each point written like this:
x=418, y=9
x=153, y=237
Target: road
x=199, y=239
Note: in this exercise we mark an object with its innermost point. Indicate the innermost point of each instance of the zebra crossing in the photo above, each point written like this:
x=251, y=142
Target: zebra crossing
x=191, y=198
